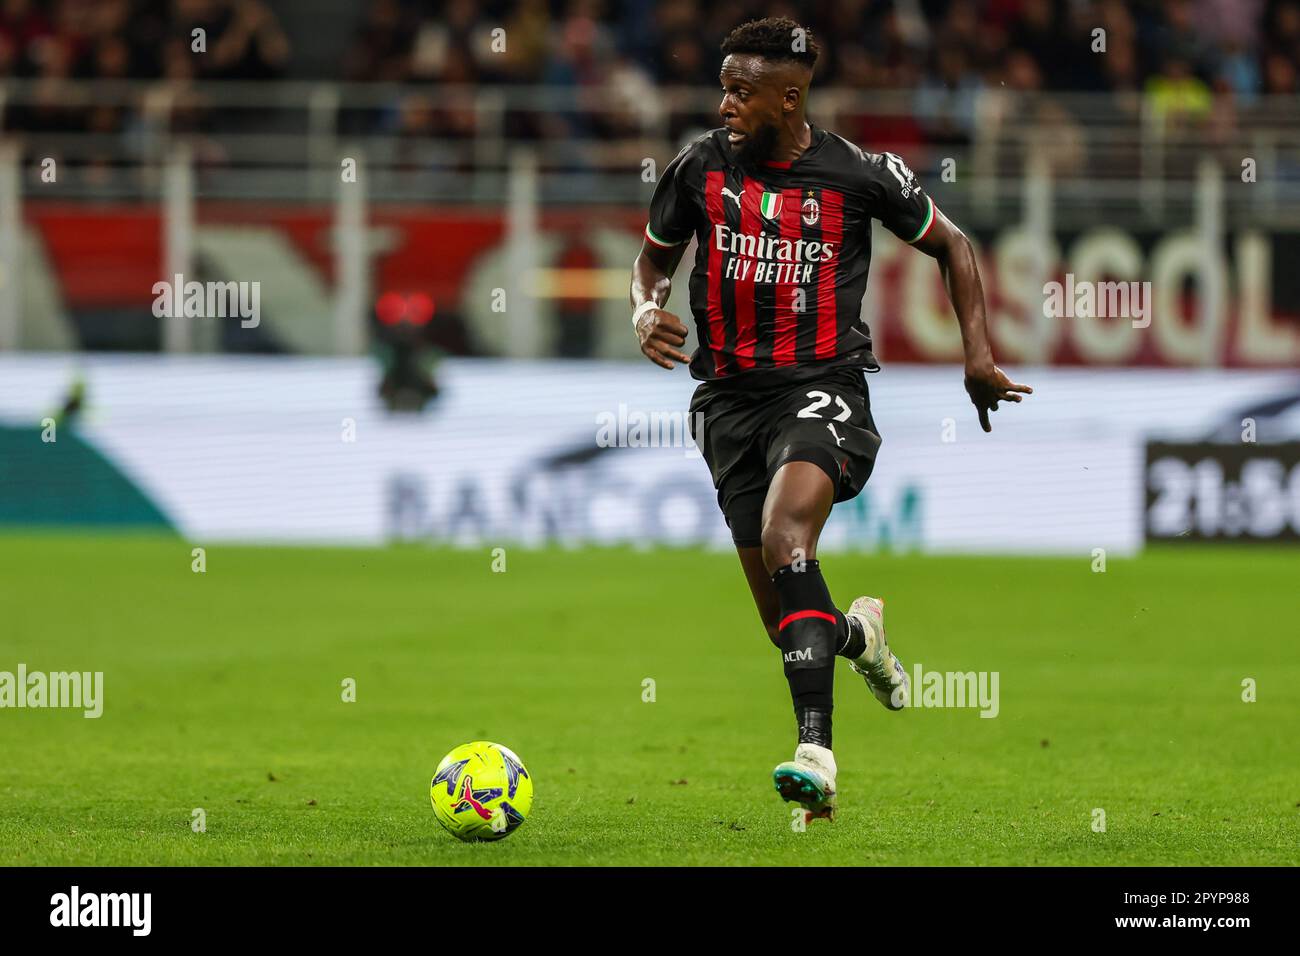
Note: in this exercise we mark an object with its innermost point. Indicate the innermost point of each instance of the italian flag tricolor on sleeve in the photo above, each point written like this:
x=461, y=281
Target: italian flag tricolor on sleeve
x=649, y=234
x=929, y=220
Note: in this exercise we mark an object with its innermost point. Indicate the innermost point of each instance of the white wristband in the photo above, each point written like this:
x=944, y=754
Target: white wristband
x=641, y=309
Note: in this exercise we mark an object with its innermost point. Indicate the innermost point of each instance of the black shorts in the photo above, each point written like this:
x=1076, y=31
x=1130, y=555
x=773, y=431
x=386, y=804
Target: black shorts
x=749, y=434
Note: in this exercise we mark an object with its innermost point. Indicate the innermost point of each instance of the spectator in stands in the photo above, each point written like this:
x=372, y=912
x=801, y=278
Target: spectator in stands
x=23, y=28
x=254, y=47
x=1038, y=32
x=1181, y=47
x=1280, y=76
x=242, y=38
x=529, y=30
x=382, y=50
x=945, y=103
x=580, y=61
x=54, y=109
x=1283, y=35
x=1177, y=95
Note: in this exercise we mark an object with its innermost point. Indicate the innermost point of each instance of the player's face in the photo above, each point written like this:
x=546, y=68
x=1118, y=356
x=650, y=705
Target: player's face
x=751, y=108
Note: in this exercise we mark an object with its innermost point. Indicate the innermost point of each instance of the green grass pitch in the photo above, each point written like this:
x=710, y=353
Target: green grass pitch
x=1119, y=690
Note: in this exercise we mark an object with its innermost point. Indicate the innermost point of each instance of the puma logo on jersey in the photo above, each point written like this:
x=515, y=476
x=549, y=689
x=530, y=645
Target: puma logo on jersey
x=735, y=196
x=838, y=440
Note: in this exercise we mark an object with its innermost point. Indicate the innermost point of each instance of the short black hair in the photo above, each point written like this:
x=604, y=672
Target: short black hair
x=773, y=38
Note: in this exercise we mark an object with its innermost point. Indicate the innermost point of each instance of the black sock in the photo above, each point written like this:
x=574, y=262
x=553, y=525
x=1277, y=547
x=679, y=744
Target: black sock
x=814, y=726
x=850, y=641
x=854, y=643
x=809, y=634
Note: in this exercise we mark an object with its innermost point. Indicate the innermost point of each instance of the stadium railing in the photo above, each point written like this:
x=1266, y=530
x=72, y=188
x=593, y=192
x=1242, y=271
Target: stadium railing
x=1048, y=160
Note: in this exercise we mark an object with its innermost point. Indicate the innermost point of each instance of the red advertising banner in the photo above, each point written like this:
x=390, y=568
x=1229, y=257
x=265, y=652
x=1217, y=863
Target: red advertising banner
x=1113, y=298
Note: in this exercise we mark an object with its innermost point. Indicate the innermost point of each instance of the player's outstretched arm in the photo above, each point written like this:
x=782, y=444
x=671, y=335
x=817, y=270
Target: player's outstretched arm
x=661, y=333
x=985, y=382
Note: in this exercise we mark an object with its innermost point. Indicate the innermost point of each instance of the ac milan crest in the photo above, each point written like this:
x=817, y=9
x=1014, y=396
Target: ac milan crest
x=812, y=211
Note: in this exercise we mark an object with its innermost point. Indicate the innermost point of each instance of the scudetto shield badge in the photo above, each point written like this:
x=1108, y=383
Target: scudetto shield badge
x=770, y=205
x=812, y=211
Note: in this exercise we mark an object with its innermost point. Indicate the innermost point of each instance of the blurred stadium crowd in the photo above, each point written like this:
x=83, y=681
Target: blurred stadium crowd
x=602, y=83
x=1247, y=46
x=1182, y=49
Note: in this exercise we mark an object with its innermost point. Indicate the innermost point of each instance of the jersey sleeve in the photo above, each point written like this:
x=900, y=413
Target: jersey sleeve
x=901, y=205
x=670, y=208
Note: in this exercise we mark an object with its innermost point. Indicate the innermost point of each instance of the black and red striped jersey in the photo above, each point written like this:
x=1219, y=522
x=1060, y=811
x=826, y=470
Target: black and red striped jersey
x=783, y=252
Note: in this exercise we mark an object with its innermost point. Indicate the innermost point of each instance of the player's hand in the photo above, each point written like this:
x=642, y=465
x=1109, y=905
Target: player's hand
x=662, y=336
x=987, y=385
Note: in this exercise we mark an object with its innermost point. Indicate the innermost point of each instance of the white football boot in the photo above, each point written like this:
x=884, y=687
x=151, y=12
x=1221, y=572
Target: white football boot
x=809, y=779
x=882, y=671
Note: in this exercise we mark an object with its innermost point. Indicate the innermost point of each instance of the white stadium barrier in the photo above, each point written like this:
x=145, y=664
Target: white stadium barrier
x=302, y=450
